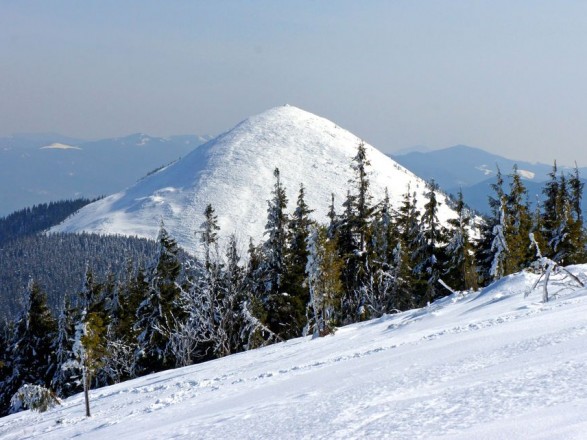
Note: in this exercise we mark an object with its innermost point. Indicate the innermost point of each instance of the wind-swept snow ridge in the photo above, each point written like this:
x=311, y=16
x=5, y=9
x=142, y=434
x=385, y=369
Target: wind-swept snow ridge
x=234, y=172
x=484, y=365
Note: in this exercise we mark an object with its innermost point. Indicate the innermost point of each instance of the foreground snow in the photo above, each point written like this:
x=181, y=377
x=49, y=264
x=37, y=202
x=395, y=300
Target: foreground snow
x=485, y=365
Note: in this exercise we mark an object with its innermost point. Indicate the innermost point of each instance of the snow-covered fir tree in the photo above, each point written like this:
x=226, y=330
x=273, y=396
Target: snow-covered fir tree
x=158, y=312
x=499, y=247
x=30, y=356
x=460, y=265
x=323, y=271
x=294, y=279
x=428, y=257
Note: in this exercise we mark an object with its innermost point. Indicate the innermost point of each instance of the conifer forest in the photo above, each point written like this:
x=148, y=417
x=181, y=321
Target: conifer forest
x=84, y=311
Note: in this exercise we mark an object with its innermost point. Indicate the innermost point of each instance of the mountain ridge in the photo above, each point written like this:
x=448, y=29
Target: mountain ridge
x=473, y=169
x=234, y=173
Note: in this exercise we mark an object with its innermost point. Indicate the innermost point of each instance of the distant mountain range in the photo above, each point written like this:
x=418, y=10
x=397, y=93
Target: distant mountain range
x=39, y=168
x=473, y=170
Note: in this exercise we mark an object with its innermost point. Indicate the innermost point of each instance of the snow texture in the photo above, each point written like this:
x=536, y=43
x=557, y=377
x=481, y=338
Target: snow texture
x=234, y=172
x=483, y=365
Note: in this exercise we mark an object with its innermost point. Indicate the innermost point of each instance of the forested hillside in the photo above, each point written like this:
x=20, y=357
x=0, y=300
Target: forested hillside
x=38, y=218
x=304, y=278
x=58, y=264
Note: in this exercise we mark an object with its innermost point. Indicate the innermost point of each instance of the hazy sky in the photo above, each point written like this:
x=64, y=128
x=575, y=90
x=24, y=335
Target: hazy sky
x=506, y=76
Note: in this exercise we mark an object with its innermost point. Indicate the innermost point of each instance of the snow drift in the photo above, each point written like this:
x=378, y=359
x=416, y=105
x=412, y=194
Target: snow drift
x=234, y=172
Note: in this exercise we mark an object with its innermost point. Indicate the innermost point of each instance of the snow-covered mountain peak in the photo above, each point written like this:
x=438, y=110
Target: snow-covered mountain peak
x=234, y=172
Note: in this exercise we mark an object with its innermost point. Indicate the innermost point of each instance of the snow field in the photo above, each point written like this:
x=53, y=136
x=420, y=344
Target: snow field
x=484, y=365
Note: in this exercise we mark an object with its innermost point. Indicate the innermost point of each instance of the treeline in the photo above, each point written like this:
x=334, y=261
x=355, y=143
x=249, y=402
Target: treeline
x=304, y=278
x=29, y=221
x=513, y=236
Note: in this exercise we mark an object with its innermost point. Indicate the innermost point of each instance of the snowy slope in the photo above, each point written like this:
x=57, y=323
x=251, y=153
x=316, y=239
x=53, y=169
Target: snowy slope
x=482, y=366
x=234, y=172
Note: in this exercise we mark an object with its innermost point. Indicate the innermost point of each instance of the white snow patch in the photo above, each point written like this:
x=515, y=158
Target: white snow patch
x=526, y=174
x=58, y=146
x=487, y=171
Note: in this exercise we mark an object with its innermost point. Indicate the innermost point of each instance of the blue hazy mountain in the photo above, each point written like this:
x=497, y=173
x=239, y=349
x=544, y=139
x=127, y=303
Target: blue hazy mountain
x=38, y=168
x=473, y=170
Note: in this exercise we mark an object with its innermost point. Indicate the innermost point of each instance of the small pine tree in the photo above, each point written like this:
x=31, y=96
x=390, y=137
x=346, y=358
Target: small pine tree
x=209, y=230
x=89, y=350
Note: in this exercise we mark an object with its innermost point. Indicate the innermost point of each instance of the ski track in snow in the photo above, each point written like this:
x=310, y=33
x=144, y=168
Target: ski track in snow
x=467, y=366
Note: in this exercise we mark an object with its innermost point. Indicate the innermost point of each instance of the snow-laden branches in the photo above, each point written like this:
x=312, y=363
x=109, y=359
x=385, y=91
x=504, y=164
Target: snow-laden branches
x=546, y=268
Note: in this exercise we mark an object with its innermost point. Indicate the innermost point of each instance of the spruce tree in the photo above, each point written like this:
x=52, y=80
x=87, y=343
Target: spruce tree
x=460, y=267
x=63, y=382
x=323, y=271
x=89, y=349
x=235, y=294
x=491, y=248
x=209, y=230
x=362, y=199
x=332, y=218
x=295, y=260
x=278, y=304
x=381, y=284
x=428, y=257
x=159, y=312
x=499, y=248
x=577, y=236
x=31, y=358
x=275, y=245
x=551, y=211
x=559, y=242
x=354, y=235
x=408, y=224
x=385, y=234
x=518, y=226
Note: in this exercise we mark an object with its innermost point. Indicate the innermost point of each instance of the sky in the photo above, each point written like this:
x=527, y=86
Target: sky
x=505, y=76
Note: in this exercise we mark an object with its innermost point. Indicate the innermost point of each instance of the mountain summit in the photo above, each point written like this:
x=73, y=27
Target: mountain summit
x=234, y=172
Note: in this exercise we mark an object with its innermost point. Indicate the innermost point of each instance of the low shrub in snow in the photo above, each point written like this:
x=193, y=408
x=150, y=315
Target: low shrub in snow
x=34, y=397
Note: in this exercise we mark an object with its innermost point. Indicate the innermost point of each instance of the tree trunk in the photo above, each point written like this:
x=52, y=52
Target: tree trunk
x=86, y=379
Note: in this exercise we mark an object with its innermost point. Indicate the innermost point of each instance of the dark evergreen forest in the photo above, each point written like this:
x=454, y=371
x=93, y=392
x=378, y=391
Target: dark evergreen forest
x=29, y=221
x=58, y=262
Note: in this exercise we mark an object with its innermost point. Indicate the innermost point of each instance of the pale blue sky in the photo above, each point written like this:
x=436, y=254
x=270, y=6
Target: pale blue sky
x=506, y=76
